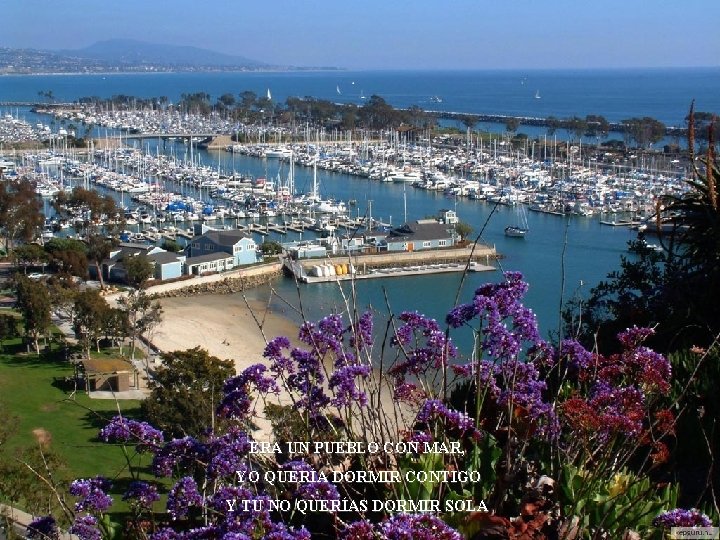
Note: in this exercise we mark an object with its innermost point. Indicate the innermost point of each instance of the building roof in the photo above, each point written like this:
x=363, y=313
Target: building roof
x=209, y=257
x=107, y=365
x=419, y=231
x=165, y=257
x=227, y=238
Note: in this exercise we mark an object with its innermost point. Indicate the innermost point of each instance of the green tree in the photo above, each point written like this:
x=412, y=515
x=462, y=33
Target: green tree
x=26, y=255
x=21, y=216
x=644, y=131
x=91, y=311
x=512, y=124
x=101, y=222
x=577, y=126
x=33, y=302
x=142, y=314
x=8, y=330
x=139, y=269
x=63, y=291
x=271, y=247
x=68, y=256
x=185, y=391
x=463, y=229
x=597, y=126
x=470, y=121
x=171, y=245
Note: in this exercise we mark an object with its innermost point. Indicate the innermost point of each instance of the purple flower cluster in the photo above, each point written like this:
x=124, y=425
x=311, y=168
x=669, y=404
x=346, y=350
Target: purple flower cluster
x=522, y=386
x=303, y=371
x=182, y=496
x=682, y=518
x=142, y=493
x=417, y=527
x=615, y=410
x=344, y=386
x=363, y=332
x=576, y=357
x=634, y=337
x=423, y=346
x=123, y=430
x=227, y=453
x=318, y=490
x=434, y=408
x=86, y=528
x=508, y=324
x=92, y=494
x=178, y=453
x=358, y=530
x=237, y=400
x=44, y=528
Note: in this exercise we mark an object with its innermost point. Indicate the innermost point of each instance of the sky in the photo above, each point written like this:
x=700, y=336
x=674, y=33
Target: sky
x=389, y=34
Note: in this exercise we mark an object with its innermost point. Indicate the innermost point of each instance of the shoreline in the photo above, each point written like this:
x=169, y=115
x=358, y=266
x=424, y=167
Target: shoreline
x=222, y=324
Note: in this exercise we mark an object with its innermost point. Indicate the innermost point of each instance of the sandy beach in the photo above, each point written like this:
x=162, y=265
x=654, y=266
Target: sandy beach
x=221, y=324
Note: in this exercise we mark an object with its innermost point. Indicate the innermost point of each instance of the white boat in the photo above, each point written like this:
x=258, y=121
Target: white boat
x=537, y=94
x=406, y=176
x=280, y=153
x=337, y=89
x=515, y=232
x=520, y=228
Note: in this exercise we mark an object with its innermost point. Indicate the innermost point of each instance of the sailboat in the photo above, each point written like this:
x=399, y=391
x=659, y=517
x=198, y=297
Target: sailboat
x=362, y=94
x=337, y=89
x=537, y=94
x=520, y=228
x=269, y=96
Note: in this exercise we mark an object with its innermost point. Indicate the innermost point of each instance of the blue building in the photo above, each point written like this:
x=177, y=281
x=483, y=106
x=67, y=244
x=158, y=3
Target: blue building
x=236, y=243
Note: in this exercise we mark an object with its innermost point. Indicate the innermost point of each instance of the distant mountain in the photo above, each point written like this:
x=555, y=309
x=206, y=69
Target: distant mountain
x=127, y=56
x=127, y=52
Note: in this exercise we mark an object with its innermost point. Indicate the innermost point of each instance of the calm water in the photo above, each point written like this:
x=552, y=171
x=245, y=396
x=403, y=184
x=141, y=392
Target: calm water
x=664, y=94
x=591, y=250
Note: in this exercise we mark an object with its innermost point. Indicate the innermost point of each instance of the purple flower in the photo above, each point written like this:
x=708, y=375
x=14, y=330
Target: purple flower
x=578, y=358
x=182, y=496
x=237, y=400
x=619, y=409
x=165, y=533
x=434, y=408
x=123, y=430
x=505, y=323
x=418, y=527
x=181, y=453
x=85, y=527
x=423, y=345
x=682, y=518
x=318, y=490
x=143, y=493
x=342, y=383
x=359, y=530
x=633, y=337
x=227, y=453
x=43, y=527
x=92, y=494
x=363, y=336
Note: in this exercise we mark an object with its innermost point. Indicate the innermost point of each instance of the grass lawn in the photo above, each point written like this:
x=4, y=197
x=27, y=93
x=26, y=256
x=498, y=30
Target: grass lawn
x=43, y=407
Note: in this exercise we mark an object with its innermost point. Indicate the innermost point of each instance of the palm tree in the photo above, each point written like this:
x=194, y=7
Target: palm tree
x=694, y=245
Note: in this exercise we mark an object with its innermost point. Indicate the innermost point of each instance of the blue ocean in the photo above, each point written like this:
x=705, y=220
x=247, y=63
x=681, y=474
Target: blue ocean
x=664, y=94
x=561, y=257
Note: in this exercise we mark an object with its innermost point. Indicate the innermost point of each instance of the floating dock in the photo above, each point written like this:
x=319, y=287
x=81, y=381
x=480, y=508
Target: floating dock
x=370, y=266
